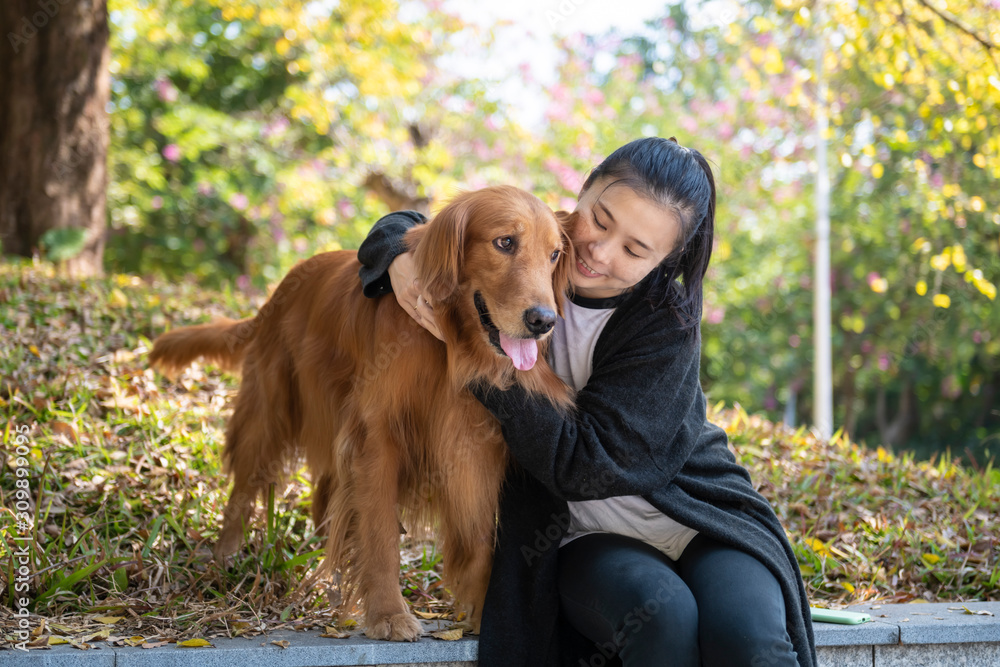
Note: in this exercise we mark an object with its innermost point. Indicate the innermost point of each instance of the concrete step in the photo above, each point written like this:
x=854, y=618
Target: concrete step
x=913, y=635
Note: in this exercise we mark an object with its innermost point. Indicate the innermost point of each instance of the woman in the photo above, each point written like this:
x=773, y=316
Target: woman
x=628, y=528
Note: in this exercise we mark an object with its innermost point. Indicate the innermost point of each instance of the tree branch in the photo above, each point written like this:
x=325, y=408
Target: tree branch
x=395, y=198
x=987, y=44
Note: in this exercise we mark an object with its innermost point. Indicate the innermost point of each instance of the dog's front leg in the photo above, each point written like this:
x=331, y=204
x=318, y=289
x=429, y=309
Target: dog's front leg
x=376, y=477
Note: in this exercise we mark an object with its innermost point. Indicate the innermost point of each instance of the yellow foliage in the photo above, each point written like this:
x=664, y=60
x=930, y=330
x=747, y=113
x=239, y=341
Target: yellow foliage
x=942, y=300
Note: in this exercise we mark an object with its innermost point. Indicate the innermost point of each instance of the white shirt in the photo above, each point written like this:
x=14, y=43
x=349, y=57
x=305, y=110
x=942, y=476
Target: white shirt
x=572, y=355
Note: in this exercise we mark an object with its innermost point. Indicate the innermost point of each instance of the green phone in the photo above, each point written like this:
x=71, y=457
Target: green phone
x=837, y=616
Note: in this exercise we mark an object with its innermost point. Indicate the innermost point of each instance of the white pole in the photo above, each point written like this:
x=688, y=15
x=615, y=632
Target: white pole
x=823, y=364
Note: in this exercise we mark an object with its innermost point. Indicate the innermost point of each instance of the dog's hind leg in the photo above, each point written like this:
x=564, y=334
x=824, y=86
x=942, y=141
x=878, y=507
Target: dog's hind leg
x=376, y=489
x=259, y=439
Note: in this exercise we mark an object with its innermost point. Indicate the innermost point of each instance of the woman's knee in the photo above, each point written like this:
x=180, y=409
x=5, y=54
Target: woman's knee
x=637, y=595
x=753, y=647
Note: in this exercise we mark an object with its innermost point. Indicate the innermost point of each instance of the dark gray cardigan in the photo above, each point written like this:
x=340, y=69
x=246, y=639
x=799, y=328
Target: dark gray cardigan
x=639, y=428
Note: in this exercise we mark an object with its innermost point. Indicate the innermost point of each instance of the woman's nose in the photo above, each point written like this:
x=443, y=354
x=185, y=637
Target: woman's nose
x=598, y=250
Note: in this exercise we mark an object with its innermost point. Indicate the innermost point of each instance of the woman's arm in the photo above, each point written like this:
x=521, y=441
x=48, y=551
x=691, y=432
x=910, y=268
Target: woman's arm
x=382, y=245
x=387, y=266
x=635, y=424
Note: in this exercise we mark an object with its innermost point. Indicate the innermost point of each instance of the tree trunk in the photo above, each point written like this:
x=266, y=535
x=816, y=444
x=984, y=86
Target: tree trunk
x=894, y=431
x=54, y=93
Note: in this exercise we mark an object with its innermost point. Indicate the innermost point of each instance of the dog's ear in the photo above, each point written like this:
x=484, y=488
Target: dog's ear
x=567, y=258
x=439, y=250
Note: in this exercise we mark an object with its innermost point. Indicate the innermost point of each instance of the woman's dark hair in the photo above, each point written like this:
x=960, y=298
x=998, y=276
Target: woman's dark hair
x=680, y=180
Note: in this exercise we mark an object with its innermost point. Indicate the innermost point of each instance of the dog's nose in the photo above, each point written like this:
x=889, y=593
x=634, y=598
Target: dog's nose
x=539, y=320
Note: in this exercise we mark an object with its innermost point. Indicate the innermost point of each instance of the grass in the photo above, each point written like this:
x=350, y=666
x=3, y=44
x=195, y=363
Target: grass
x=127, y=490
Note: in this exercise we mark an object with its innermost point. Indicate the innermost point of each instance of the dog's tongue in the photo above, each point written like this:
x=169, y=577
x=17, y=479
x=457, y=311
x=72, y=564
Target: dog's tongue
x=522, y=351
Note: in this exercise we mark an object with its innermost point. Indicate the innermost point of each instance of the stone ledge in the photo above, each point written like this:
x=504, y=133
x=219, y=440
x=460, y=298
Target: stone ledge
x=903, y=634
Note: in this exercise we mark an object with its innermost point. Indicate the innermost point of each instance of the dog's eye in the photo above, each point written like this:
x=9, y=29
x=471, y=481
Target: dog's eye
x=555, y=255
x=504, y=244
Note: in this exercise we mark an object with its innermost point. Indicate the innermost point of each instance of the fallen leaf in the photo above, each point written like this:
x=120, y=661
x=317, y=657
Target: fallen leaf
x=447, y=635
x=108, y=620
x=154, y=644
x=117, y=298
x=349, y=623
x=981, y=612
x=55, y=641
x=194, y=643
x=333, y=633
x=100, y=634
x=283, y=643
x=64, y=429
x=135, y=641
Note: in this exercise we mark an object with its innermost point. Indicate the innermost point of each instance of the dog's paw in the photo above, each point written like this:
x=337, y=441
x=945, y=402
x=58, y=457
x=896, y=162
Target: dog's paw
x=394, y=627
x=226, y=546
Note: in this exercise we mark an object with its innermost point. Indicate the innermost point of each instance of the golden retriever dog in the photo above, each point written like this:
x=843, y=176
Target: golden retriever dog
x=378, y=408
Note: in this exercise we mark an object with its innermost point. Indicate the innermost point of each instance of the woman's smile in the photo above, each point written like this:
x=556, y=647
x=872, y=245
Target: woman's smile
x=585, y=269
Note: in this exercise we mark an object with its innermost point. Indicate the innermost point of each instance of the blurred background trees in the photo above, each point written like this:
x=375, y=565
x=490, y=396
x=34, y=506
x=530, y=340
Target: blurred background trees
x=245, y=136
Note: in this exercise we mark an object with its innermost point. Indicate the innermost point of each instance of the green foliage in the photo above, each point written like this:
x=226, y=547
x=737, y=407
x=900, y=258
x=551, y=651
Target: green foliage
x=62, y=244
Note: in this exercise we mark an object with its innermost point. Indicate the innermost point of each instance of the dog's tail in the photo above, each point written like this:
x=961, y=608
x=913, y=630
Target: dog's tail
x=222, y=342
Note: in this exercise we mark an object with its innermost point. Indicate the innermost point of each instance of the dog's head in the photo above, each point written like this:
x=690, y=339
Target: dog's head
x=503, y=253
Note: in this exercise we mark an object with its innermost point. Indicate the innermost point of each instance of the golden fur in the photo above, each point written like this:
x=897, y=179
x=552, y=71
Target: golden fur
x=378, y=407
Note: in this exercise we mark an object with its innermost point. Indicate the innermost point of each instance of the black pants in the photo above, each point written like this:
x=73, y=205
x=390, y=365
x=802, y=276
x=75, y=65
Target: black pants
x=714, y=606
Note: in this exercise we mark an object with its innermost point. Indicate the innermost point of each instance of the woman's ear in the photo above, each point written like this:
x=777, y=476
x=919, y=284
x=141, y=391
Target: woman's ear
x=567, y=258
x=439, y=250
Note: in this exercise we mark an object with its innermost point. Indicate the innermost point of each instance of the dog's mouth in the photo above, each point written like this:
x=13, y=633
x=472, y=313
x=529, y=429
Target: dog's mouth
x=523, y=352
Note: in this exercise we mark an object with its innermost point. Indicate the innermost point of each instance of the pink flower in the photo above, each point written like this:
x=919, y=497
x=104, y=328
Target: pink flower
x=525, y=70
x=557, y=112
x=594, y=96
x=567, y=204
x=883, y=362
x=346, y=208
x=156, y=202
x=204, y=189
x=867, y=346
x=172, y=152
x=275, y=128
x=977, y=337
x=239, y=201
x=794, y=340
x=166, y=91
x=567, y=176
x=243, y=282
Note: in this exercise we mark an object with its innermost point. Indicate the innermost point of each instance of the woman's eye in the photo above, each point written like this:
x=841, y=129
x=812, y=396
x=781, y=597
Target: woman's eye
x=632, y=254
x=504, y=243
x=599, y=225
x=555, y=255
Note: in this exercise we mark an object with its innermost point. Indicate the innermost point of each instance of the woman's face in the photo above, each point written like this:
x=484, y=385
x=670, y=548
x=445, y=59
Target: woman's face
x=619, y=238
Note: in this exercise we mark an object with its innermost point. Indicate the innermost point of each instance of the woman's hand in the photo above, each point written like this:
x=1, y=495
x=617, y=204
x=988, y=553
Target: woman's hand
x=403, y=276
